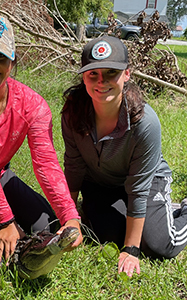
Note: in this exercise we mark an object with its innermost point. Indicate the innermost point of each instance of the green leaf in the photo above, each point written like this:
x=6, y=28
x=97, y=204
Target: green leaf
x=110, y=251
x=123, y=276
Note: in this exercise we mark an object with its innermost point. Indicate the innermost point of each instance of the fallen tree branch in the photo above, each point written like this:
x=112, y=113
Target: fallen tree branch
x=47, y=62
x=38, y=35
x=160, y=82
x=39, y=46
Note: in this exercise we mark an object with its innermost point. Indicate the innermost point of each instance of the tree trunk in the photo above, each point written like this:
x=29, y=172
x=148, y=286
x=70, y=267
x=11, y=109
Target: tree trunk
x=80, y=32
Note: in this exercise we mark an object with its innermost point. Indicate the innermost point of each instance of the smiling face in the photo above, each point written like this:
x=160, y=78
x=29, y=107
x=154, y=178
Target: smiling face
x=5, y=69
x=105, y=85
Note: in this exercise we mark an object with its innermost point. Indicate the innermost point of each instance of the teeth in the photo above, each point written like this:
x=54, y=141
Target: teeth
x=103, y=91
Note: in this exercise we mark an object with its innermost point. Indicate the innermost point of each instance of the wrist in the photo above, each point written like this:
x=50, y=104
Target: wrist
x=132, y=250
x=5, y=224
x=78, y=220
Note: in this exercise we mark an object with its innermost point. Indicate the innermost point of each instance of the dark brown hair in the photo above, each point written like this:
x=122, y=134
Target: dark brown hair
x=78, y=103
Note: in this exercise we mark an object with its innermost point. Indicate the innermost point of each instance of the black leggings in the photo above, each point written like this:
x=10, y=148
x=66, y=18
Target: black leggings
x=105, y=209
x=32, y=211
x=105, y=212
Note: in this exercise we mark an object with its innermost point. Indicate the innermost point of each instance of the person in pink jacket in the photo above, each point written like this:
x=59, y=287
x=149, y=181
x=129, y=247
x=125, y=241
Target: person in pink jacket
x=23, y=113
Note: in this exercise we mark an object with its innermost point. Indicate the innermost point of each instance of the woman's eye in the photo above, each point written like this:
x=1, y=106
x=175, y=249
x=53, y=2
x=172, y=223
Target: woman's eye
x=112, y=71
x=93, y=73
x=2, y=56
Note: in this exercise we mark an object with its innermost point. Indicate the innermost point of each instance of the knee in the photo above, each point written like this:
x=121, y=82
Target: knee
x=159, y=249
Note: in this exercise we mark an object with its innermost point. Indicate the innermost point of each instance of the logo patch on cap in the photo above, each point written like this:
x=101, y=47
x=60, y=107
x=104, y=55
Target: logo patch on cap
x=101, y=50
x=2, y=28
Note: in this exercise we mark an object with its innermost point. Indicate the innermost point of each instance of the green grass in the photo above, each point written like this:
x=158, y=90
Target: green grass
x=181, y=38
x=172, y=113
x=82, y=274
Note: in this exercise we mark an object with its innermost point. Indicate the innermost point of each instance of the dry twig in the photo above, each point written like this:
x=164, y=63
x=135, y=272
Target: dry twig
x=36, y=36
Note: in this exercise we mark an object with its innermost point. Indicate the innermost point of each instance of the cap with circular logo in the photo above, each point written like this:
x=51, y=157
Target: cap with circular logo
x=7, y=44
x=104, y=52
x=101, y=50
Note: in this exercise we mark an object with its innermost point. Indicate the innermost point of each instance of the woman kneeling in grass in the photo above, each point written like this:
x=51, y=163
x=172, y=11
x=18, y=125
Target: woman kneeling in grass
x=24, y=112
x=113, y=156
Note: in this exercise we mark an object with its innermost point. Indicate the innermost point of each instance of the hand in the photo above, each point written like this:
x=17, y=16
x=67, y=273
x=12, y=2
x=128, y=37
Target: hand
x=127, y=263
x=79, y=240
x=8, y=239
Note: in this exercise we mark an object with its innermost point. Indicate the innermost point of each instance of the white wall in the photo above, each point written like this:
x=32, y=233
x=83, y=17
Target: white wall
x=135, y=6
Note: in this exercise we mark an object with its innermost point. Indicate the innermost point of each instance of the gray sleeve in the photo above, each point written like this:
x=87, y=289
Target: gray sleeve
x=75, y=167
x=145, y=159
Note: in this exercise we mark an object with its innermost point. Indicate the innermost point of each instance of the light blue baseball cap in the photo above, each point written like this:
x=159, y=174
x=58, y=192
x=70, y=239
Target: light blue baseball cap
x=7, y=43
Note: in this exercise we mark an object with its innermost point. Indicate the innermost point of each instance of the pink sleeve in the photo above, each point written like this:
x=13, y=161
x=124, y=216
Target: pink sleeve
x=46, y=165
x=5, y=210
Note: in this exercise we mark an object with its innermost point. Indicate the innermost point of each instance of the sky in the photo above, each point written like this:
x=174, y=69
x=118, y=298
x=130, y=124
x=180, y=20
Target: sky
x=183, y=22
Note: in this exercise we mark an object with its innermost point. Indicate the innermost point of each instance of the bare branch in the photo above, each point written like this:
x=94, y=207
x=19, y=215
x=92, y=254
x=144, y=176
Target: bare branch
x=48, y=62
x=161, y=82
x=45, y=37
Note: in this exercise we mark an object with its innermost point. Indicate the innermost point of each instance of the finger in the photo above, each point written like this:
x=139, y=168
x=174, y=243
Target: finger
x=121, y=263
x=130, y=272
x=73, y=245
x=130, y=269
x=6, y=252
x=11, y=251
x=1, y=250
x=134, y=265
x=127, y=269
x=126, y=266
x=60, y=230
x=12, y=247
x=78, y=241
x=138, y=268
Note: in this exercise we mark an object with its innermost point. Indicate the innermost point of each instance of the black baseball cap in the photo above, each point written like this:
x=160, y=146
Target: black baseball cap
x=104, y=52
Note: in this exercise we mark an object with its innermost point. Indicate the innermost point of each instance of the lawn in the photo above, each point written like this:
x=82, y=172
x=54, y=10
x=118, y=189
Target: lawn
x=84, y=274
